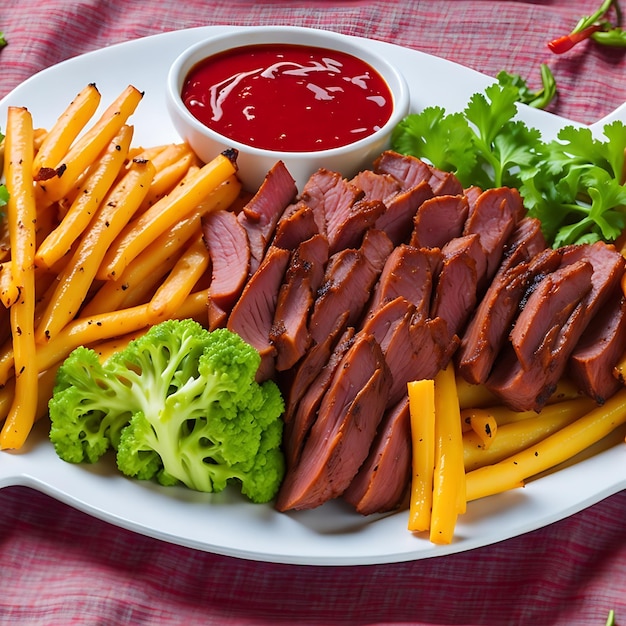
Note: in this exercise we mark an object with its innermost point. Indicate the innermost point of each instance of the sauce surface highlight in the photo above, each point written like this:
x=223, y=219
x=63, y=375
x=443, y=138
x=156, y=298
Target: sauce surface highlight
x=288, y=97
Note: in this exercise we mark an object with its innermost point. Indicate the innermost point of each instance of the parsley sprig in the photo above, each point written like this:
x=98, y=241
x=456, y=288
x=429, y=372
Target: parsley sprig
x=573, y=183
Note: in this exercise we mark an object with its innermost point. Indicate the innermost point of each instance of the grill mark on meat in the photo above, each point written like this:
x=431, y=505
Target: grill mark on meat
x=525, y=242
x=438, y=220
x=383, y=480
x=261, y=214
x=342, y=434
x=289, y=333
x=253, y=314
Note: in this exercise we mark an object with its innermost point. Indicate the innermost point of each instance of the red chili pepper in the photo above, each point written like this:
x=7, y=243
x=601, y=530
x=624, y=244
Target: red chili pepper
x=567, y=42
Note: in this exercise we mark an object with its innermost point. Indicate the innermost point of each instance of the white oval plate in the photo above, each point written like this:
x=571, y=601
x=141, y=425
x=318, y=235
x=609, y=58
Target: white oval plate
x=332, y=534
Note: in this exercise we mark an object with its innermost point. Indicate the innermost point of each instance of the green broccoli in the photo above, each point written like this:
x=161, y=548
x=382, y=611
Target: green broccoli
x=180, y=405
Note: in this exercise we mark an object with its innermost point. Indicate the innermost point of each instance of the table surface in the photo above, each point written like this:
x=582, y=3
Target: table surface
x=60, y=566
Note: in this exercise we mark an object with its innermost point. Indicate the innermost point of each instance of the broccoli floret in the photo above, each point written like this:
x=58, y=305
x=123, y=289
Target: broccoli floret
x=193, y=411
x=88, y=409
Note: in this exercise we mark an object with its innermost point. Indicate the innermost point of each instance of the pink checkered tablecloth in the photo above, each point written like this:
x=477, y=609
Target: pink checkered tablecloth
x=59, y=566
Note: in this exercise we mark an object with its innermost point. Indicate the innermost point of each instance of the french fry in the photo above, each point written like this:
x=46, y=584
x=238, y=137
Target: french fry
x=59, y=138
x=482, y=423
x=422, y=415
x=449, y=476
x=73, y=284
x=164, y=214
x=143, y=273
x=172, y=293
x=194, y=307
x=517, y=435
x=87, y=148
x=91, y=192
x=22, y=218
x=557, y=448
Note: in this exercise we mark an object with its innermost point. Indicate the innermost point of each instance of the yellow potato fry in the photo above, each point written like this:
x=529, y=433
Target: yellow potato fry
x=164, y=214
x=166, y=179
x=482, y=423
x=195, y=306
x=449, y=477
x=106, y=349
x=92, y=330
x=73, y=284
x=422, y=413
x=60, y=137
x=87, y=148
x=142, y=273
x=91, y=193
x=549, y=452
x=191, y=266
x=22, y=218
x=518, y=435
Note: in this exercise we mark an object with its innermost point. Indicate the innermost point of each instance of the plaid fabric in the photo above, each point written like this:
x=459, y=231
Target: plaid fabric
x=59, y=566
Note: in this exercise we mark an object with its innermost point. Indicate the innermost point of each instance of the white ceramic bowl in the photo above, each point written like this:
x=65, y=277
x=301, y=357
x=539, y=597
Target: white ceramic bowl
x=254, y=163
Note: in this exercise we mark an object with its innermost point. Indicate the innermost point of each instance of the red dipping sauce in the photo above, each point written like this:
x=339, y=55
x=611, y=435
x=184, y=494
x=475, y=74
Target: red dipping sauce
x=288, y=98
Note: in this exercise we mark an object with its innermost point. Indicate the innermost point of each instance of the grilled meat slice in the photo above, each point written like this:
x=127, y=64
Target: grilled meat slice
x=340, y=438
x=261, y=214
x=253, y=314
x=382, y=482
x=289, y=333
x=438, y=220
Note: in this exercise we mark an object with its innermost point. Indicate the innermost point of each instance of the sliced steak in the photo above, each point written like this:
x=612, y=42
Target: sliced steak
x=494, y=218
x=376, y=186
x=349, y=233
x=407, y=170
x=383, y=480
x=408, y=272
x=308, y=369
x=412, y=345
x=331, y=197
x=591, y=365
x=548, y=308
x=350, y=277
x=289, y=333
x=252, y=316
x=397, y=220
x=489, y=326
x=439, y=220
x=525, y=242
x=227, y=243
x=297, y=427
x=340, y=438
x=261, y=214
x=455, y=292
x=295, y=227
x=525, y=389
